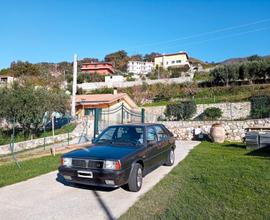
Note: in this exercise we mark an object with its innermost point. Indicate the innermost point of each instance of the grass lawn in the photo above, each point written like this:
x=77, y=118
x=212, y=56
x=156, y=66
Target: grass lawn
x=213, y=182
x=9, y=173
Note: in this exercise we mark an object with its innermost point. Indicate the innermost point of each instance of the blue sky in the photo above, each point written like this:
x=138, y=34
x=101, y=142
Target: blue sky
x=52, y=30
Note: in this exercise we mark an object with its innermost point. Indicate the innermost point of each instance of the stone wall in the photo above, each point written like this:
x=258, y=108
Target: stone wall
x=24, y=145
x=235, y=130
x=231, y=111
x=125, y=84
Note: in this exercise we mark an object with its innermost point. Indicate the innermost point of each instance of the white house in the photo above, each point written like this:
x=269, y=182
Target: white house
x=140, y=67
x=172, y=60
x=6, y=80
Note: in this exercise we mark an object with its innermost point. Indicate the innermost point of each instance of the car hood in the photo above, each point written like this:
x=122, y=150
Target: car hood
x=102, y=152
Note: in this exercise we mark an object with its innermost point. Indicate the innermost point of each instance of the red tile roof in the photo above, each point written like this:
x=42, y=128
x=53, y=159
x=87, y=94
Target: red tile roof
x=97, y=99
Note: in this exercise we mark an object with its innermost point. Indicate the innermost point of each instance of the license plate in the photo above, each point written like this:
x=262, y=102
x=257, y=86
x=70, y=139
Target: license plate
x=85, y=174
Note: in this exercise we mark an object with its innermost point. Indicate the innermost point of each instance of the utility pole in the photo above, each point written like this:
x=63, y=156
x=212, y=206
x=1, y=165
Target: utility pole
x=74, y=87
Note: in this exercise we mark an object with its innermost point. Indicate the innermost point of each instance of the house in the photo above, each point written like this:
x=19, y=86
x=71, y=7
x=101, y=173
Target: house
x=101, y=68
x=172, y=60
x=140, y=67
x=106, y=103
x=6, y=80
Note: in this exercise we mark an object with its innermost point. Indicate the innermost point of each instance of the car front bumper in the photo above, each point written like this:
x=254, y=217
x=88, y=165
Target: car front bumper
x=119, y=178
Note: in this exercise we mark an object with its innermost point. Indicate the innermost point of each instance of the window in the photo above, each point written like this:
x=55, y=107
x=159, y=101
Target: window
x=178, y=61
x=173, y=62
x=151, y=134
x=161, y=135
x=122, y=134
x=108, y=135
x=89, y=111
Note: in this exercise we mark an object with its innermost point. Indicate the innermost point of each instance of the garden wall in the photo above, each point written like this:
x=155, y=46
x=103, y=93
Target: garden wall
x=235, y=130
x=24, y=145
x=126, y=84
x=74, y=135
x=231, y=111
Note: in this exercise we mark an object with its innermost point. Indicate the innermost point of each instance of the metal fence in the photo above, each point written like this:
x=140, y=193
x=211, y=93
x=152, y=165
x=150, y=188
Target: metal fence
x=118, y=115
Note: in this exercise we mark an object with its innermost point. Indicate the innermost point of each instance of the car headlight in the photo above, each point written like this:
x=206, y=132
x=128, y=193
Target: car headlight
x=112, y=164
x=66, y=162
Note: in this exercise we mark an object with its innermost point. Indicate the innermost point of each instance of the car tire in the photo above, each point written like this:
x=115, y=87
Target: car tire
x=135, y=178
x=170, y=158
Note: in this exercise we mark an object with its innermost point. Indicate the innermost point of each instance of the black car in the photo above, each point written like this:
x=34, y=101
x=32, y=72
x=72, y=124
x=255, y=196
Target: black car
x=120, y=155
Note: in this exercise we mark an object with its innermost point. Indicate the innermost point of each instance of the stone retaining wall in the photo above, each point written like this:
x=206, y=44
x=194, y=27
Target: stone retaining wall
x=4, y=149
x=235, y=130
x=126, y=84
x=231, y=111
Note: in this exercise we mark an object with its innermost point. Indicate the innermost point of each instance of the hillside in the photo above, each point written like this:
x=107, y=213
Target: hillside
x=196, y=61
x=242, y=59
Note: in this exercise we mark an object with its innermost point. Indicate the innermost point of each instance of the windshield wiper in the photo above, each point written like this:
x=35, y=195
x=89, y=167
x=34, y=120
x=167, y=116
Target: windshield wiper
x=104, y=141
x=133, y=142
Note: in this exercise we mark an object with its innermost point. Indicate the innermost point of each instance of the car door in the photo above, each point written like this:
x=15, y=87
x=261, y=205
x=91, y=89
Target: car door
x=151, y=151
x=163, y=144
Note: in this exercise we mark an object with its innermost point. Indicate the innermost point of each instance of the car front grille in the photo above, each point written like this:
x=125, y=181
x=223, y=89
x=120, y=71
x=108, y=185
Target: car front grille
x=83, y=163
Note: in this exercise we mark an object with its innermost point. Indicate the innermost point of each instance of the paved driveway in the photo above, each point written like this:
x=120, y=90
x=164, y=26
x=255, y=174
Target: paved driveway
x=45, y=198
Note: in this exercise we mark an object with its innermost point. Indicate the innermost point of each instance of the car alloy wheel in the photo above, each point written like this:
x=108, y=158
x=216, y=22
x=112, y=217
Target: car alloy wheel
x=139, y=177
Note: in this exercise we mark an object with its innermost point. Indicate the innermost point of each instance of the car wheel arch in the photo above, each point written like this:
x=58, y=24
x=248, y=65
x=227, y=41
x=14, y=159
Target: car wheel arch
x=139, y=161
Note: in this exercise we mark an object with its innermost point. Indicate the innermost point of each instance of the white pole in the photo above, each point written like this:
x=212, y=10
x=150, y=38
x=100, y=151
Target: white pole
x=74, y=88
x=53, y=147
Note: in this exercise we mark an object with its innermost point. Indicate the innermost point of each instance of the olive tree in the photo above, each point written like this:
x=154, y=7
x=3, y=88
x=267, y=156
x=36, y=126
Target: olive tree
x=27, y=105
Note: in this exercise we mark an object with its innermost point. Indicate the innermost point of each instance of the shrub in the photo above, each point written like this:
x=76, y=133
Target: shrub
x=180, y=111
x=130, y=79
x=260, y=106
x=104, y=90
x=212, y=113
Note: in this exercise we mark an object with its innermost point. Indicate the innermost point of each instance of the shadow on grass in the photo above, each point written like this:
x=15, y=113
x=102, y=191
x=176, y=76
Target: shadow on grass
x=237, y=145
x=262, y=152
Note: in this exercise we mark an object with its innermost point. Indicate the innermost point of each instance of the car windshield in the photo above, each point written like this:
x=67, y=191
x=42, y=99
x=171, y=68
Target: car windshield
x=131, y=135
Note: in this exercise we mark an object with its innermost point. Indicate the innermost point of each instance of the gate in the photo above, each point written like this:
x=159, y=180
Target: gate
x=118, y=115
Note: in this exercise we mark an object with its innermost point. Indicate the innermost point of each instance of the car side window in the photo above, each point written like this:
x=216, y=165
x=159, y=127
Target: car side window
x=161, y=135
x=151, y=134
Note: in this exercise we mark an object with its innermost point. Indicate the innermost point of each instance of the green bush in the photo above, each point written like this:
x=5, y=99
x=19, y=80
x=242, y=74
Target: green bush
x=130, y=79
x=212, y=113
x=180, y=111
x=260, y=106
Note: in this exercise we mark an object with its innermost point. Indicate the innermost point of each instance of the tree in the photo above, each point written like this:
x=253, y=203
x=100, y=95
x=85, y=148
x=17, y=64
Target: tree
x=80, y=78
x=180, y=111
x=136, y=57
x=225, y=73
x=119, y=58
x=244, y=71
x=4, y=72
x=87, y=60
x=21, y=68
x=254, y=57
x=150, y=57
x=27, y=105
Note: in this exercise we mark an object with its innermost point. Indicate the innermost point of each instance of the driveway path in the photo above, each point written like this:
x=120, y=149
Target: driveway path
x=45, y=198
